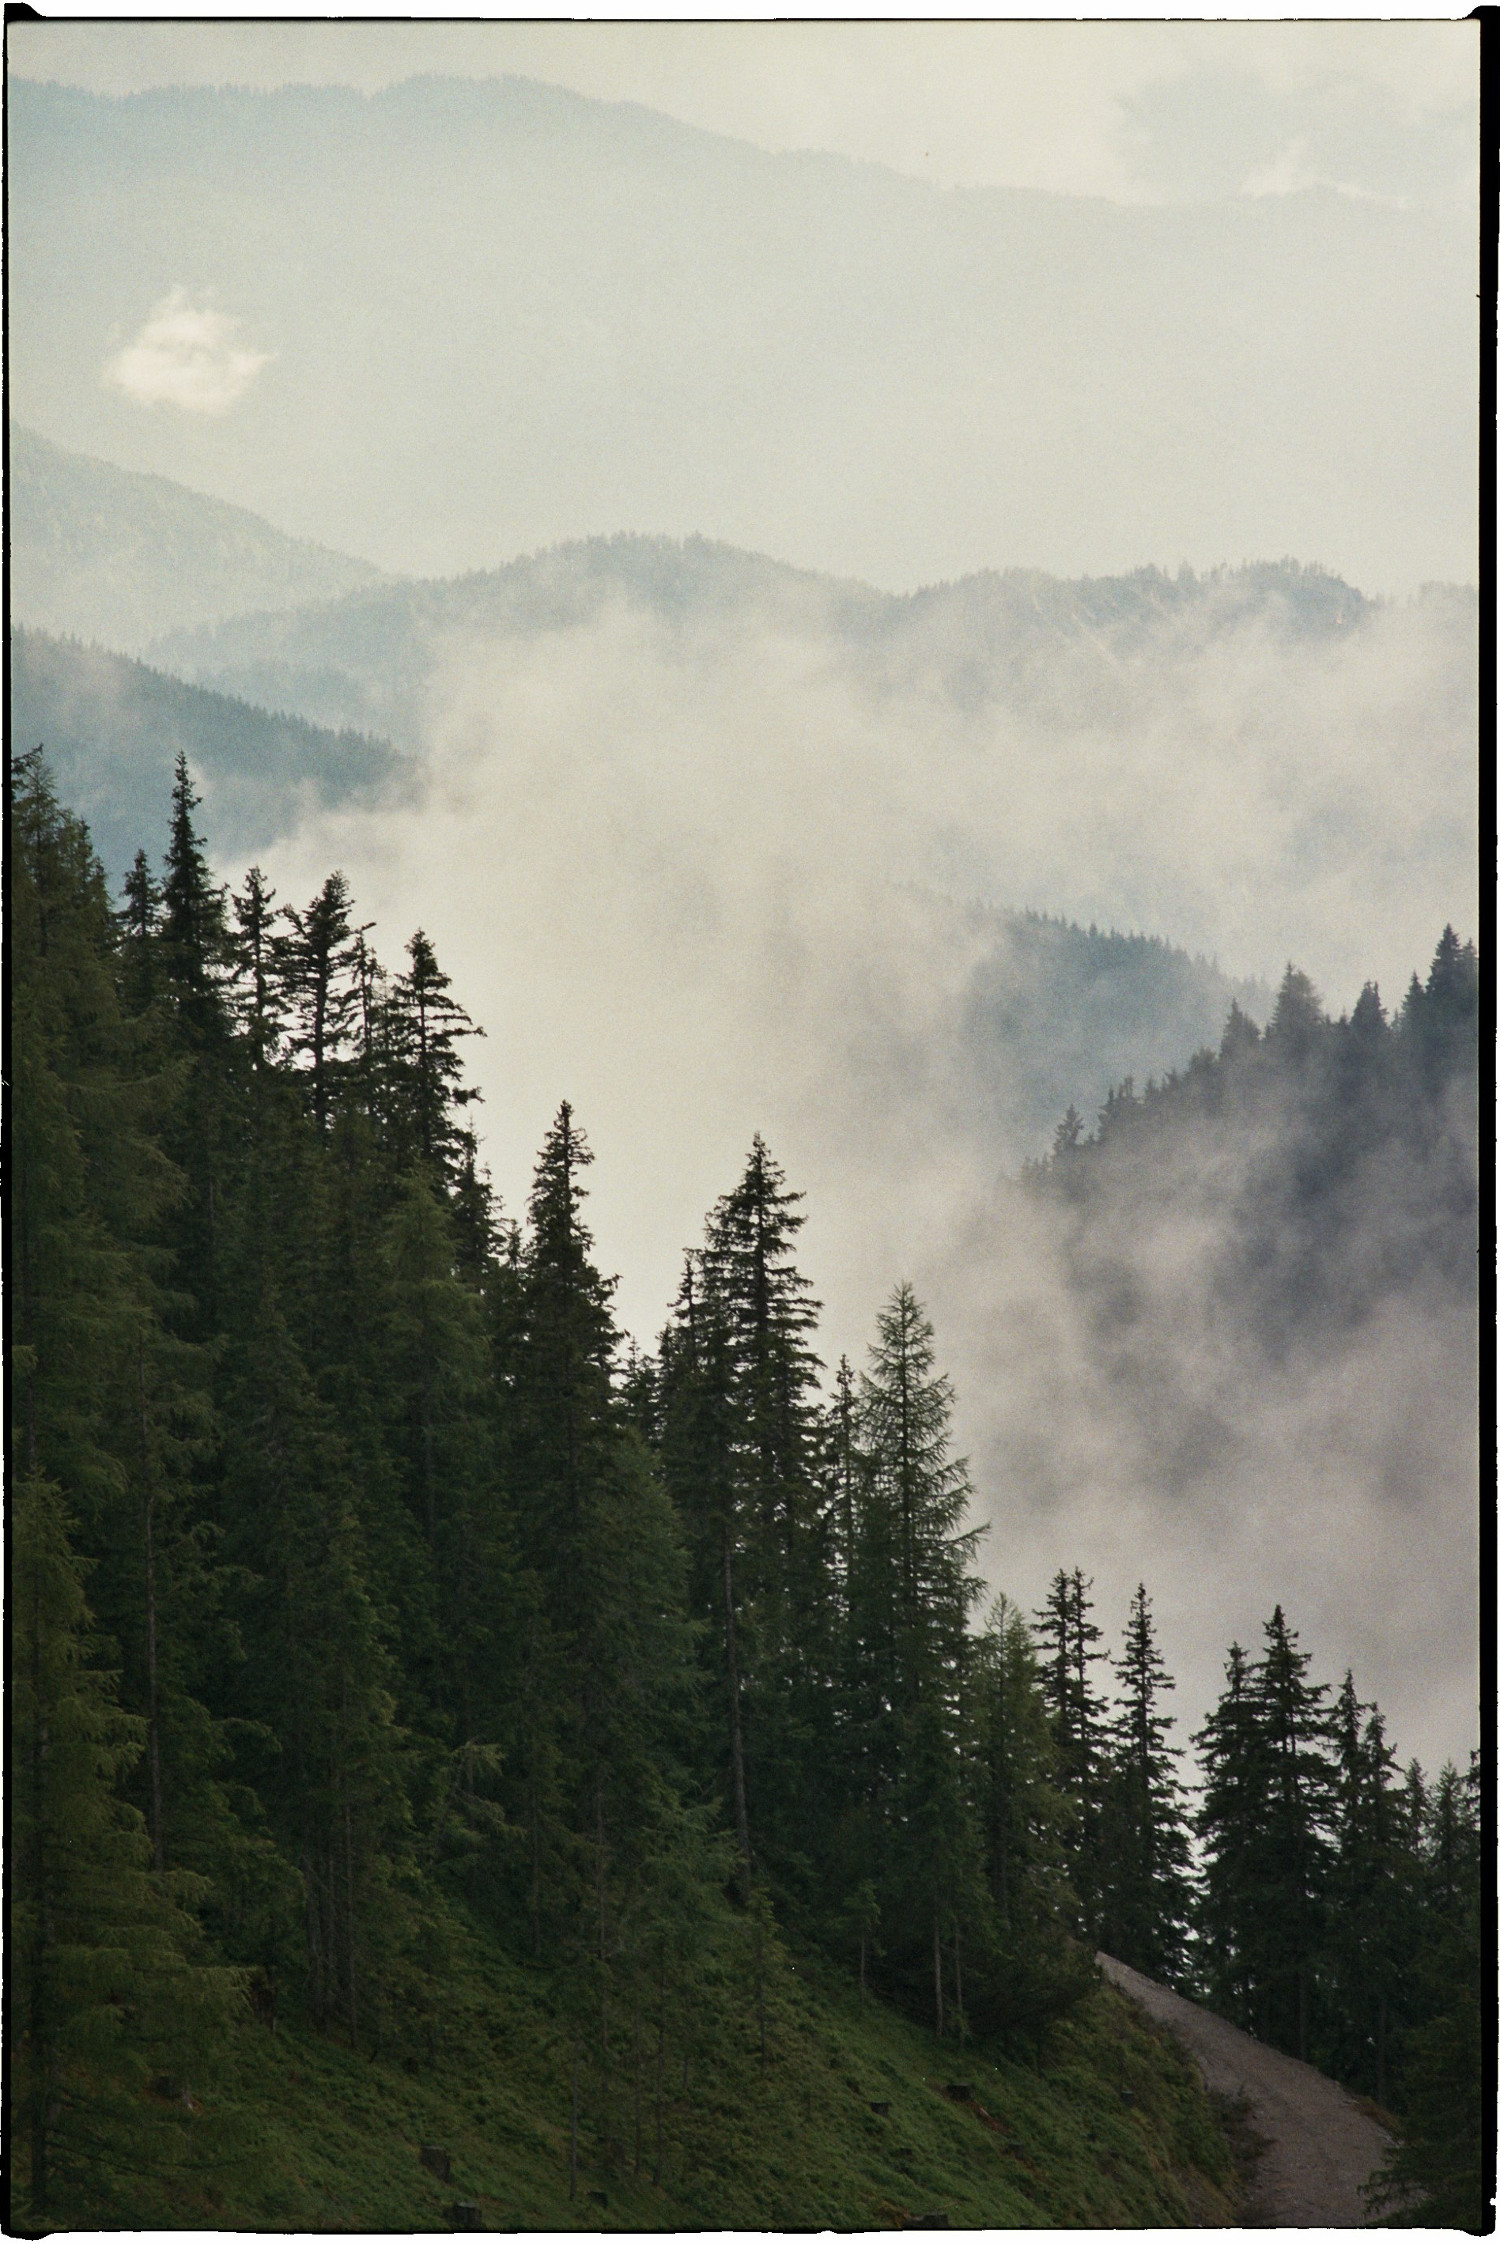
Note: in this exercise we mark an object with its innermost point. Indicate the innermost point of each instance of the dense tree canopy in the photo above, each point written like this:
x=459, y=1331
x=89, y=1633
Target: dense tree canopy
x=366, y=1586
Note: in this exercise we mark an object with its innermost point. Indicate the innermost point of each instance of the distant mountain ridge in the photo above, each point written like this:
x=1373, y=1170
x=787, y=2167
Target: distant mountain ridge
x=499, y=315
x=366, y=659
x=112, y=729
x=110, y=555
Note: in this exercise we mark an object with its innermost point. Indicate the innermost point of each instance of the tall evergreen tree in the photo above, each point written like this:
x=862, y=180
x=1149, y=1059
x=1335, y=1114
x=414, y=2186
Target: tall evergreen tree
x=1069, y=1640
x=109, y=1984
x=745, y=1431
x=1230, y=1749
x=700, y=1462
x=423, y=1026
x=1146, y=1891
x=912, y=1594
x=1265, y=1821
x=1293, y=1853
x=319, y=960
x=1441, y=2172
x=1025, y=1817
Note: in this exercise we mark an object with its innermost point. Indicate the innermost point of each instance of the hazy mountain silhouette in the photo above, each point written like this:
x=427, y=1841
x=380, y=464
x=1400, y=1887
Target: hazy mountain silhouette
x=498, y=315
x=367, y=659
x=112, y=730
x=110, y=555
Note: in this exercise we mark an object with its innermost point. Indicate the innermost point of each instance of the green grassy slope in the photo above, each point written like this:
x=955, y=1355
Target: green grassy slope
x=1110, y=2129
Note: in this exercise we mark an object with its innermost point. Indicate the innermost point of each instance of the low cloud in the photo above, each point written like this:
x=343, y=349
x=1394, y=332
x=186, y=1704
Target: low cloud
x=693, y=881
x=186, y=355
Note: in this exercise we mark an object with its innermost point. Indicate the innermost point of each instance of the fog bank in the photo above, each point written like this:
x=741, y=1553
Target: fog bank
x=701, y=884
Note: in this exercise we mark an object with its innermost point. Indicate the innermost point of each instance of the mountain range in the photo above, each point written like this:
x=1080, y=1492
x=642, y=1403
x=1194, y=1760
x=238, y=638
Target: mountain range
x=498, y=316
x=105, y=554
x=1012, y=637
x=1037, y=707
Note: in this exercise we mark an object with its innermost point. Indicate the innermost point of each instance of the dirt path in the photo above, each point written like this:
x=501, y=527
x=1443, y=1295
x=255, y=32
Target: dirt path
x=1320, y=2146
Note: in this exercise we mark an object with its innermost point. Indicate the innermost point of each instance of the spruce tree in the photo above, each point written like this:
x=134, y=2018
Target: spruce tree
x=914, y=1591
x=113, y=1408
x=1146, y=1896
x=256, y=952
x=318, y=967
x=700, y=1464
x=192, y=928
x=423, y=1025
x=1440, y=2173
x=1265, y=1819
x=1070, y=1645
x=1230, y=1749
x=757, y=1501
x=1293, y=1850
x=1024, y=1817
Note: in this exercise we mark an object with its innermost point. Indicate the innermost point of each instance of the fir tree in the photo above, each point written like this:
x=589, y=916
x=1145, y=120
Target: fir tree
x=423, y=1025
x=1146, y=1886
x=1230, y=1748
x=318, y=965
x=1069, y=1640
x=914, y=1591
x=1025, y=1817
x=109, y=1985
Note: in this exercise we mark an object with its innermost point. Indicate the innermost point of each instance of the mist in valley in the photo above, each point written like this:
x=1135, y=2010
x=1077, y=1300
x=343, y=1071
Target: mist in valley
x=705, y=878
x=892, y=855
x=683, y=696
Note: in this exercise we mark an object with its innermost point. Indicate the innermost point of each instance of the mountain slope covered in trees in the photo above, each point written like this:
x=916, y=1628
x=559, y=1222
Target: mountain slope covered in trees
x=101, y=553
x=113, y=730
x=1334, y=1163
x=371, y=658
x=406, y=1662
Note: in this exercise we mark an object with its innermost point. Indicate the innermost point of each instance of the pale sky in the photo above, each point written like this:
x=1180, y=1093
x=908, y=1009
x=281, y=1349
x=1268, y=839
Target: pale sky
x=1112, y=109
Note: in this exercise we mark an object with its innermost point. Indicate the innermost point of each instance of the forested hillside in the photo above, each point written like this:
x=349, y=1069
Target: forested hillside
x=1324, y=1175
x=1015, y=639
x=114, y=729
x=1334, y=1163
x=612, y=1739
x=101, y=553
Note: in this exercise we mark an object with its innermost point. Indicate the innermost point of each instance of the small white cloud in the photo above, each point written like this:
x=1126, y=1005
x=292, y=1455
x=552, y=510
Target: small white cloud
x=1291, y=173
x=188, y=356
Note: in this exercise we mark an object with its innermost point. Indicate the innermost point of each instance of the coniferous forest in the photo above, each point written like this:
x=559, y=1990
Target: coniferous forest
x=398, y=1652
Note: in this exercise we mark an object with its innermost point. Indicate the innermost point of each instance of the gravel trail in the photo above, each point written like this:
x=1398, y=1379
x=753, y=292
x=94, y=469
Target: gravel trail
x=1320, y=2145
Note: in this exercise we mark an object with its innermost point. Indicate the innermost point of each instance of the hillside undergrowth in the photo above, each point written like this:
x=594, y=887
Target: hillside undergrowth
x=859, y=2120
